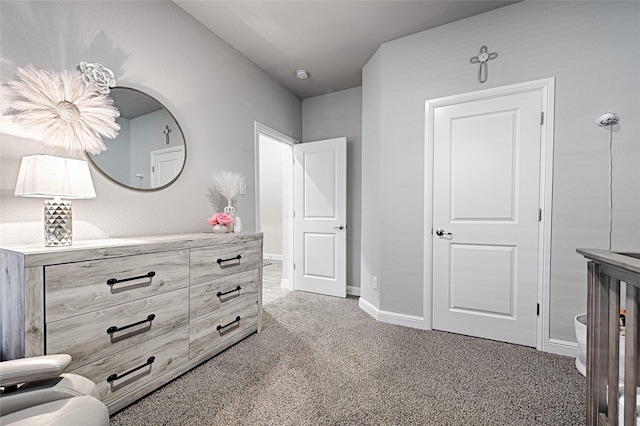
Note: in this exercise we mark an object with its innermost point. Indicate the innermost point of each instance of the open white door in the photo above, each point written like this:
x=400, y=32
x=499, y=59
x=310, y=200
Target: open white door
x=320, y=213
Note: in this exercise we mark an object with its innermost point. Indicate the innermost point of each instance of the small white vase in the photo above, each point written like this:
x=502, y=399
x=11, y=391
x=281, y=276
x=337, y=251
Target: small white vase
x=237, y=225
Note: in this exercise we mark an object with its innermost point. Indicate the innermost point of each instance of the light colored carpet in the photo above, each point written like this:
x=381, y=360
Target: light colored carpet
x=322, y=361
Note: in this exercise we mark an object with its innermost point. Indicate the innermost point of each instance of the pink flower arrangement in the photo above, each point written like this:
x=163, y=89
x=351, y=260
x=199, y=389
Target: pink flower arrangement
x=220, y=219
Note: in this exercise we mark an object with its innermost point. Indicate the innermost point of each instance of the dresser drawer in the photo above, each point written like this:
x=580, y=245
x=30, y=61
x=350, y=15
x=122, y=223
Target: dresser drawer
x=86, y=337
x=76, y=288
x=117, y=375
x=212, y=330
x=209, y=263
x=223, y=292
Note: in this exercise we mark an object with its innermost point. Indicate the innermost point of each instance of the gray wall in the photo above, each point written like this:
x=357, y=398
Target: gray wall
x=591, y=48
x=371, y=221
x=339, y=114
x=214, y=92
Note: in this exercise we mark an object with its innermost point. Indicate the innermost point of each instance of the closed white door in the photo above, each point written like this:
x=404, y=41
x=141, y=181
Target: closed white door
x=166, y=164
x=486, y=178
x=320, y=213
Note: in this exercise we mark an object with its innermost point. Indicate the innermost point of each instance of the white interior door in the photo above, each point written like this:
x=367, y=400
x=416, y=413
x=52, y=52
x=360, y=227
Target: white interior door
x=166, y=165
x=320, y=213
x=486, y=200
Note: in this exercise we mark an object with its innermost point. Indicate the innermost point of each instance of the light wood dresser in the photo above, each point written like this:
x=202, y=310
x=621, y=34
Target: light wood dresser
x=133, y=313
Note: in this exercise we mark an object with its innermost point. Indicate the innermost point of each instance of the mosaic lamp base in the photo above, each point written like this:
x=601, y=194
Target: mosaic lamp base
x=57, y=223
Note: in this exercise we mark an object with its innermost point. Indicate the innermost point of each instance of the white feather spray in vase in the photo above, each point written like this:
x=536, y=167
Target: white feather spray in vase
x=228, y=184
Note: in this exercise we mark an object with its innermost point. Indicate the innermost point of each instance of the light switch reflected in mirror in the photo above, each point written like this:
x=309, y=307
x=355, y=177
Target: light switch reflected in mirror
x=150, y=151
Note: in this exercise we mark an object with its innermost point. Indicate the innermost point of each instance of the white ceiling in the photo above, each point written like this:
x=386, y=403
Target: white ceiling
x=331, y=39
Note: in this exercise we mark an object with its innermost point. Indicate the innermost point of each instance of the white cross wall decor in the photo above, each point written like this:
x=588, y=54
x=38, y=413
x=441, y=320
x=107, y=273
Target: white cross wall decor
x=482, y=58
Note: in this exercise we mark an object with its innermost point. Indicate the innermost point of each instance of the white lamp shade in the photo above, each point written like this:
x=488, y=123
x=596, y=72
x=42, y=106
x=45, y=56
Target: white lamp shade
x=47, y=176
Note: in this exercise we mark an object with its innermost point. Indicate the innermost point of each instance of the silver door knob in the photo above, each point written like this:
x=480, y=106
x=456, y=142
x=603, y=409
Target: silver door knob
x=339, y=228
x=440, y=232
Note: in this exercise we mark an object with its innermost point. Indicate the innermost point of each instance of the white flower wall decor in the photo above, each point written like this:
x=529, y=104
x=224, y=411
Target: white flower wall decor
x=70, y=109
x=97, y=75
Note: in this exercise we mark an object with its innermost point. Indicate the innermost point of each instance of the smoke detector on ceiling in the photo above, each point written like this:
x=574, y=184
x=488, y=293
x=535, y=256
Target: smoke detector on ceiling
x=302, y=74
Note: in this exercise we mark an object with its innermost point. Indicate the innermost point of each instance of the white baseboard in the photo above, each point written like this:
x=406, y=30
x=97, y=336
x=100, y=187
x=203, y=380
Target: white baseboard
x=391, y=317
x=554, y=346
x=272, y=256
x=562, y=347
x=368, y=308
x=286, y=284
x=351, y=291
x=402, y=319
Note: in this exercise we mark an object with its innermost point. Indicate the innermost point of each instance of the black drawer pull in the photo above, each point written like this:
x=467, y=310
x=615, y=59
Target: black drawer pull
x=114, y=329
x=112, y=281
x=222, y=327
x=221, y=261
x=115, y=377
x=220, y=294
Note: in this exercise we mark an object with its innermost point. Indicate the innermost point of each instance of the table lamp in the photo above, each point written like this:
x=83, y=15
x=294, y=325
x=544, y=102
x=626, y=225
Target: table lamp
x=46, y=176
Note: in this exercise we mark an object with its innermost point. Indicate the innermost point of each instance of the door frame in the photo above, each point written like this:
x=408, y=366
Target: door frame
x=287, y=213
x=547, y=88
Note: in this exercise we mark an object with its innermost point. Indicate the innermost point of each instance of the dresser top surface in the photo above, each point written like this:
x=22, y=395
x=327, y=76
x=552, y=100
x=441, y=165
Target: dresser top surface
x=38, y=254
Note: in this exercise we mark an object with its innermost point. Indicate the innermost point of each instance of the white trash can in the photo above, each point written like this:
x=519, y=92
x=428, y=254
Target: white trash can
x=580, y=322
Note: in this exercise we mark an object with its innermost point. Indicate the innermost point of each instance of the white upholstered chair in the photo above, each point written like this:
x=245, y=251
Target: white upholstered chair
x=35, y=391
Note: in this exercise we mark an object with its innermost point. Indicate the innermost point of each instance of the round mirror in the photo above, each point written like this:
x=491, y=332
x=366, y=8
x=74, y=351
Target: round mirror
x=149, y=152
